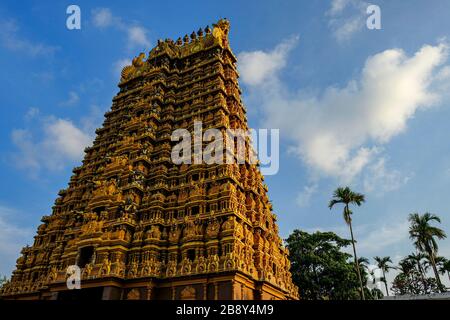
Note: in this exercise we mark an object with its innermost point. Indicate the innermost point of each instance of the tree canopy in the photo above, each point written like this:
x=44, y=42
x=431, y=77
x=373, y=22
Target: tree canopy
x=320, y=267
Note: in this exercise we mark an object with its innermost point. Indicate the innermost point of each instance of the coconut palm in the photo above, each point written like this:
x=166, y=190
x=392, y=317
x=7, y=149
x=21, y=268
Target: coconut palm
x=383, y=265
x=443, y=266
x=405, y=266
x=377, y=294
x=363, y=263
x=346, y=196
x=417, y=260
x=446, y=268
x=424, y=236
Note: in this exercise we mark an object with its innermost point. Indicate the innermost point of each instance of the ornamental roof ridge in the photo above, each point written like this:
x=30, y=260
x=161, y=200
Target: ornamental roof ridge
x=203, y=38
x=196, y=42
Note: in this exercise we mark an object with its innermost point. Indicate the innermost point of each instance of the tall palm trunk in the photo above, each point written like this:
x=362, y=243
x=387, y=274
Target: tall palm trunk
x=422, y=275
x=356, y=262
x=385, y=283
x=436, y=273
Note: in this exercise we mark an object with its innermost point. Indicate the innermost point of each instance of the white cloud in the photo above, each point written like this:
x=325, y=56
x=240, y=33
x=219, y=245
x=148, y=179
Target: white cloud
x=337, y=6
x=259, y=66
x=32, y=113
x=376, y=241
x=443, y=74
x=372, y=239
x=346, y=18
x=102, y=17
x=92, y=120
x=341, y=130
x=442, y=82
x=27, y=156
x=136, y=35
x=11, y=40
x=12, y=239
x=348, y=28
x=304, y=197
x=64, y=137
x=379, y=179
x=120, y=64
x=57, y=143
x=71, y=100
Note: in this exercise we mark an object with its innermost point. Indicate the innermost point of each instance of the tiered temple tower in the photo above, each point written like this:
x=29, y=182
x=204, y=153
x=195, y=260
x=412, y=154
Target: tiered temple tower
x=141, y=227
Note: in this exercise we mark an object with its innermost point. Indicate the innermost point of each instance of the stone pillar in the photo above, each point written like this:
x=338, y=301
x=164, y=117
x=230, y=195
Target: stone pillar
x=216, y=291
x=149, y=291
x=54, y=296
x=233, y=288
x=111, y=293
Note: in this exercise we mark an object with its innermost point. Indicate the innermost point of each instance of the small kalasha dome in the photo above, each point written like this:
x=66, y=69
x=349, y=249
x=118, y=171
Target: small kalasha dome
x=139, y=226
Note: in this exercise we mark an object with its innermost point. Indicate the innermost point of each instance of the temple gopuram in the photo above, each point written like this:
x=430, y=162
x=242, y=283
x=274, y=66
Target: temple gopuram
x=139, y=226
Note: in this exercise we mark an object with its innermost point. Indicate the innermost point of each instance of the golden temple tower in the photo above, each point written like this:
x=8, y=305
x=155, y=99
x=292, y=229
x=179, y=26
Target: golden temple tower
x=139, y=226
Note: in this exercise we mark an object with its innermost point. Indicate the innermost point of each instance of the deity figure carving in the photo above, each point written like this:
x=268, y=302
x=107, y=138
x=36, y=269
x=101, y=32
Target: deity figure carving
x=213, y=263
x=188, y=293
x=88, y=270
x=53, y=274
x=106, y=267
x=212, y=230
x=133, y=294
x=186, y=266
x=154, y=232
x=149, y=219
x=228, y=224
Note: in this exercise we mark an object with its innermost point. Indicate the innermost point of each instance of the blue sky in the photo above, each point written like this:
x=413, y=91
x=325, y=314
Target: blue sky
x=367, y=108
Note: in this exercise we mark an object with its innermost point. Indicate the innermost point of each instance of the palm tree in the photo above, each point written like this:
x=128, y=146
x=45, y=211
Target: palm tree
x=443, y=266
x=446, y=267
x=424, y=234
x=383, y=264
x=416, y=259
x=377, y=294
x=347, y=197
x=363, y=263
x=405, y=266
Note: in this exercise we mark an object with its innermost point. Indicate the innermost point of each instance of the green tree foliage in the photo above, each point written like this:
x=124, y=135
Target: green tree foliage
x=425, y=235
x=444, y=266
x=375, y=294
x=320, y=268
x=383, y=265
x=412, y=278
x=412, y=283
x=347, y=197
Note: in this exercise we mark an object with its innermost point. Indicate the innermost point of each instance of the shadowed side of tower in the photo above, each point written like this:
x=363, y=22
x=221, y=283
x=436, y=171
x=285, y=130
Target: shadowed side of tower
x=138, y=225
